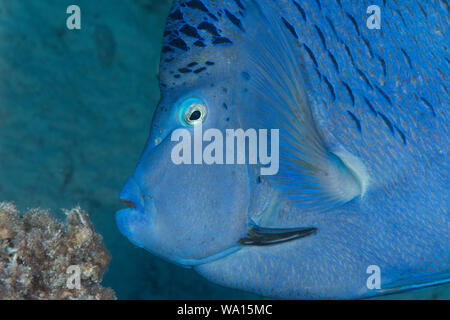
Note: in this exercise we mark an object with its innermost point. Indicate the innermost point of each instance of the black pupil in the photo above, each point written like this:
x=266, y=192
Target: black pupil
x=195, y=115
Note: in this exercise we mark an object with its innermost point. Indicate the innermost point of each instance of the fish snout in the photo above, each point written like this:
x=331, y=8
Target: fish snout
x=131, y=195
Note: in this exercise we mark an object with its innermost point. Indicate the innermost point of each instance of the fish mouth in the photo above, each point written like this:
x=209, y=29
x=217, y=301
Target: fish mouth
x=135, y=221
x=131, y=195
x=128, y=203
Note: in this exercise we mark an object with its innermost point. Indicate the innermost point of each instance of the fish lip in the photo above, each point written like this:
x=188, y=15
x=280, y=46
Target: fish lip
x=131, y=195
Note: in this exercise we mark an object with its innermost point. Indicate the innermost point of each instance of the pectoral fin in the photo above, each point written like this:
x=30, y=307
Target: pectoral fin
x=258, y=236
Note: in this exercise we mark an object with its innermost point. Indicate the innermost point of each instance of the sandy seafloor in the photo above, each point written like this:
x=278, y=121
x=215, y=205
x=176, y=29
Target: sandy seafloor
x=75, y=112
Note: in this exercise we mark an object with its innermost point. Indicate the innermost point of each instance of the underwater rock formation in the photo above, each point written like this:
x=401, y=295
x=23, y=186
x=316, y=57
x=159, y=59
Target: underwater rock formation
x=36, y=251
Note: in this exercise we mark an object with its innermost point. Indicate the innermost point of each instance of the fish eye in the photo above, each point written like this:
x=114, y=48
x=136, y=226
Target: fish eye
x=195, y=112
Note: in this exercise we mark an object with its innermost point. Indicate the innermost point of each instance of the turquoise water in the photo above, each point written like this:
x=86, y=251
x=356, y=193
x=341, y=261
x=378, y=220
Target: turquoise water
x=75, y=111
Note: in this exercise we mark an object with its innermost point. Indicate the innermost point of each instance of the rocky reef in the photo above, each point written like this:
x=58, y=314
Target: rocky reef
x=40, y=256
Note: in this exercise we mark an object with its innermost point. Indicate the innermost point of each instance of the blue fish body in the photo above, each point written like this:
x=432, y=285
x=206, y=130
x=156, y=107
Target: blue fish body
x=362, y=118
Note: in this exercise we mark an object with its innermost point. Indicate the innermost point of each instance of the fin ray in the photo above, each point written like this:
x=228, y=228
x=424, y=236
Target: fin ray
x=310, y=175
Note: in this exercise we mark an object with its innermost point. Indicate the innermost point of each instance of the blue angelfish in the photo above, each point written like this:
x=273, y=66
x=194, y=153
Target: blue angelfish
x=358, y=205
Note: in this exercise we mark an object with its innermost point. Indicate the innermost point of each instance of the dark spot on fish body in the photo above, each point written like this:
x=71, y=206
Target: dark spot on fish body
x=245, y=75
x=350, y=92
x=333, y=60
x=310, y=53
x=289, y=27
x=364, y=77
x=208, y=27
x=355, y=24
x=234, y=20
x=222, y=40
x=209, y=63
x=319, y=4
x=384, y=95
x=321, y=36
x=369, y=48
x=330, y=87
x=192, y=64
x=347, y=49
x=177, y=76
x=190, y=31
x=176, y=15
x=239, y=3
x=402, y=135
x=213, y=17
x=423, y=10
x=225, y=106
x=428, y=104
x=167, y=49
x=319, y=75
x=383, y=65
x=371, y=107
x=387, y=122
x=196, y=4
x=300, y=9
x=184, y=70
x=356, y=120
x=332, y=26
x=401, y=16
x=408, y=59
x=179, y=43
x=199, y=43
x=199, y=70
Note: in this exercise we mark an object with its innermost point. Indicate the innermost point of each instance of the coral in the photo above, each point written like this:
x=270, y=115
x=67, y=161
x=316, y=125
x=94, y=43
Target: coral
x=36, y=251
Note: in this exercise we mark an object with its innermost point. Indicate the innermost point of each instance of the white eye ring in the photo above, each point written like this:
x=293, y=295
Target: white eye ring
x=195, y=114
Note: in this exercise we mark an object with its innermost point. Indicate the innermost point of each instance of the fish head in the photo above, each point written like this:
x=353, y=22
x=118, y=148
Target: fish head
x=187, y=212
